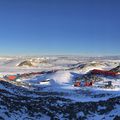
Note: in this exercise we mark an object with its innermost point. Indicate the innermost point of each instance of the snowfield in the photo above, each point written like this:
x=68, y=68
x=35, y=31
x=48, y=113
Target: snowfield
x=53, y=90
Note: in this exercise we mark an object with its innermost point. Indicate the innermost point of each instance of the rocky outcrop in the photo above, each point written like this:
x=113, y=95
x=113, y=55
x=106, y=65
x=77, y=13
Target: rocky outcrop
x=116, y=69
x=25, y=63
x=20, y=103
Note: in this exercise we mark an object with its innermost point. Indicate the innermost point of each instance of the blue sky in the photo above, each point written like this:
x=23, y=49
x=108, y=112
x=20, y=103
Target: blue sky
x=68, y=27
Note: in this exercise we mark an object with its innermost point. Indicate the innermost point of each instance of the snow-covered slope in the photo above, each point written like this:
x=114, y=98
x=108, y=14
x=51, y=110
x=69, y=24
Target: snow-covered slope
x=52, y=94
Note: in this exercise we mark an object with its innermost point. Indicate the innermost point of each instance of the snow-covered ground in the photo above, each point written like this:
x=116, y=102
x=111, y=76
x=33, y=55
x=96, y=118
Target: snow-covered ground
x=62, y=80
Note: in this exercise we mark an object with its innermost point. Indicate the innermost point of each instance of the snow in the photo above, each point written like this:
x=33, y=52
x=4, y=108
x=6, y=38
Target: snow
x=101, y=107
x=63, y=79
x=80, y=114
x=108, y=116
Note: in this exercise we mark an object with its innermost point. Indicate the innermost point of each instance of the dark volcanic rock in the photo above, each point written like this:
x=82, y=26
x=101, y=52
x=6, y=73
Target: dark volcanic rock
x=116, y=69
x=31, y=105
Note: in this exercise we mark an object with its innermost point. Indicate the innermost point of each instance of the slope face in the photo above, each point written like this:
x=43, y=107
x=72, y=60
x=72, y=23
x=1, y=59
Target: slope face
x=25, y=63
x=32, y=105
x=116, y=69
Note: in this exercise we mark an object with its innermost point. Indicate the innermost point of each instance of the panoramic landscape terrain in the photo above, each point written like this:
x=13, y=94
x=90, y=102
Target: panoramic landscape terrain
x=59, y=59
x=60, y=87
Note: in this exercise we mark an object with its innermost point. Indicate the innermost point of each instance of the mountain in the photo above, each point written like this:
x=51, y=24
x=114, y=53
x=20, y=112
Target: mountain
x=25, y=63
x=116, y=69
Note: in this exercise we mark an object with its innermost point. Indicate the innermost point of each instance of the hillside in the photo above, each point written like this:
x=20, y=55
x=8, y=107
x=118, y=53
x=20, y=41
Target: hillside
x=116, y=69
x=48, y=91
